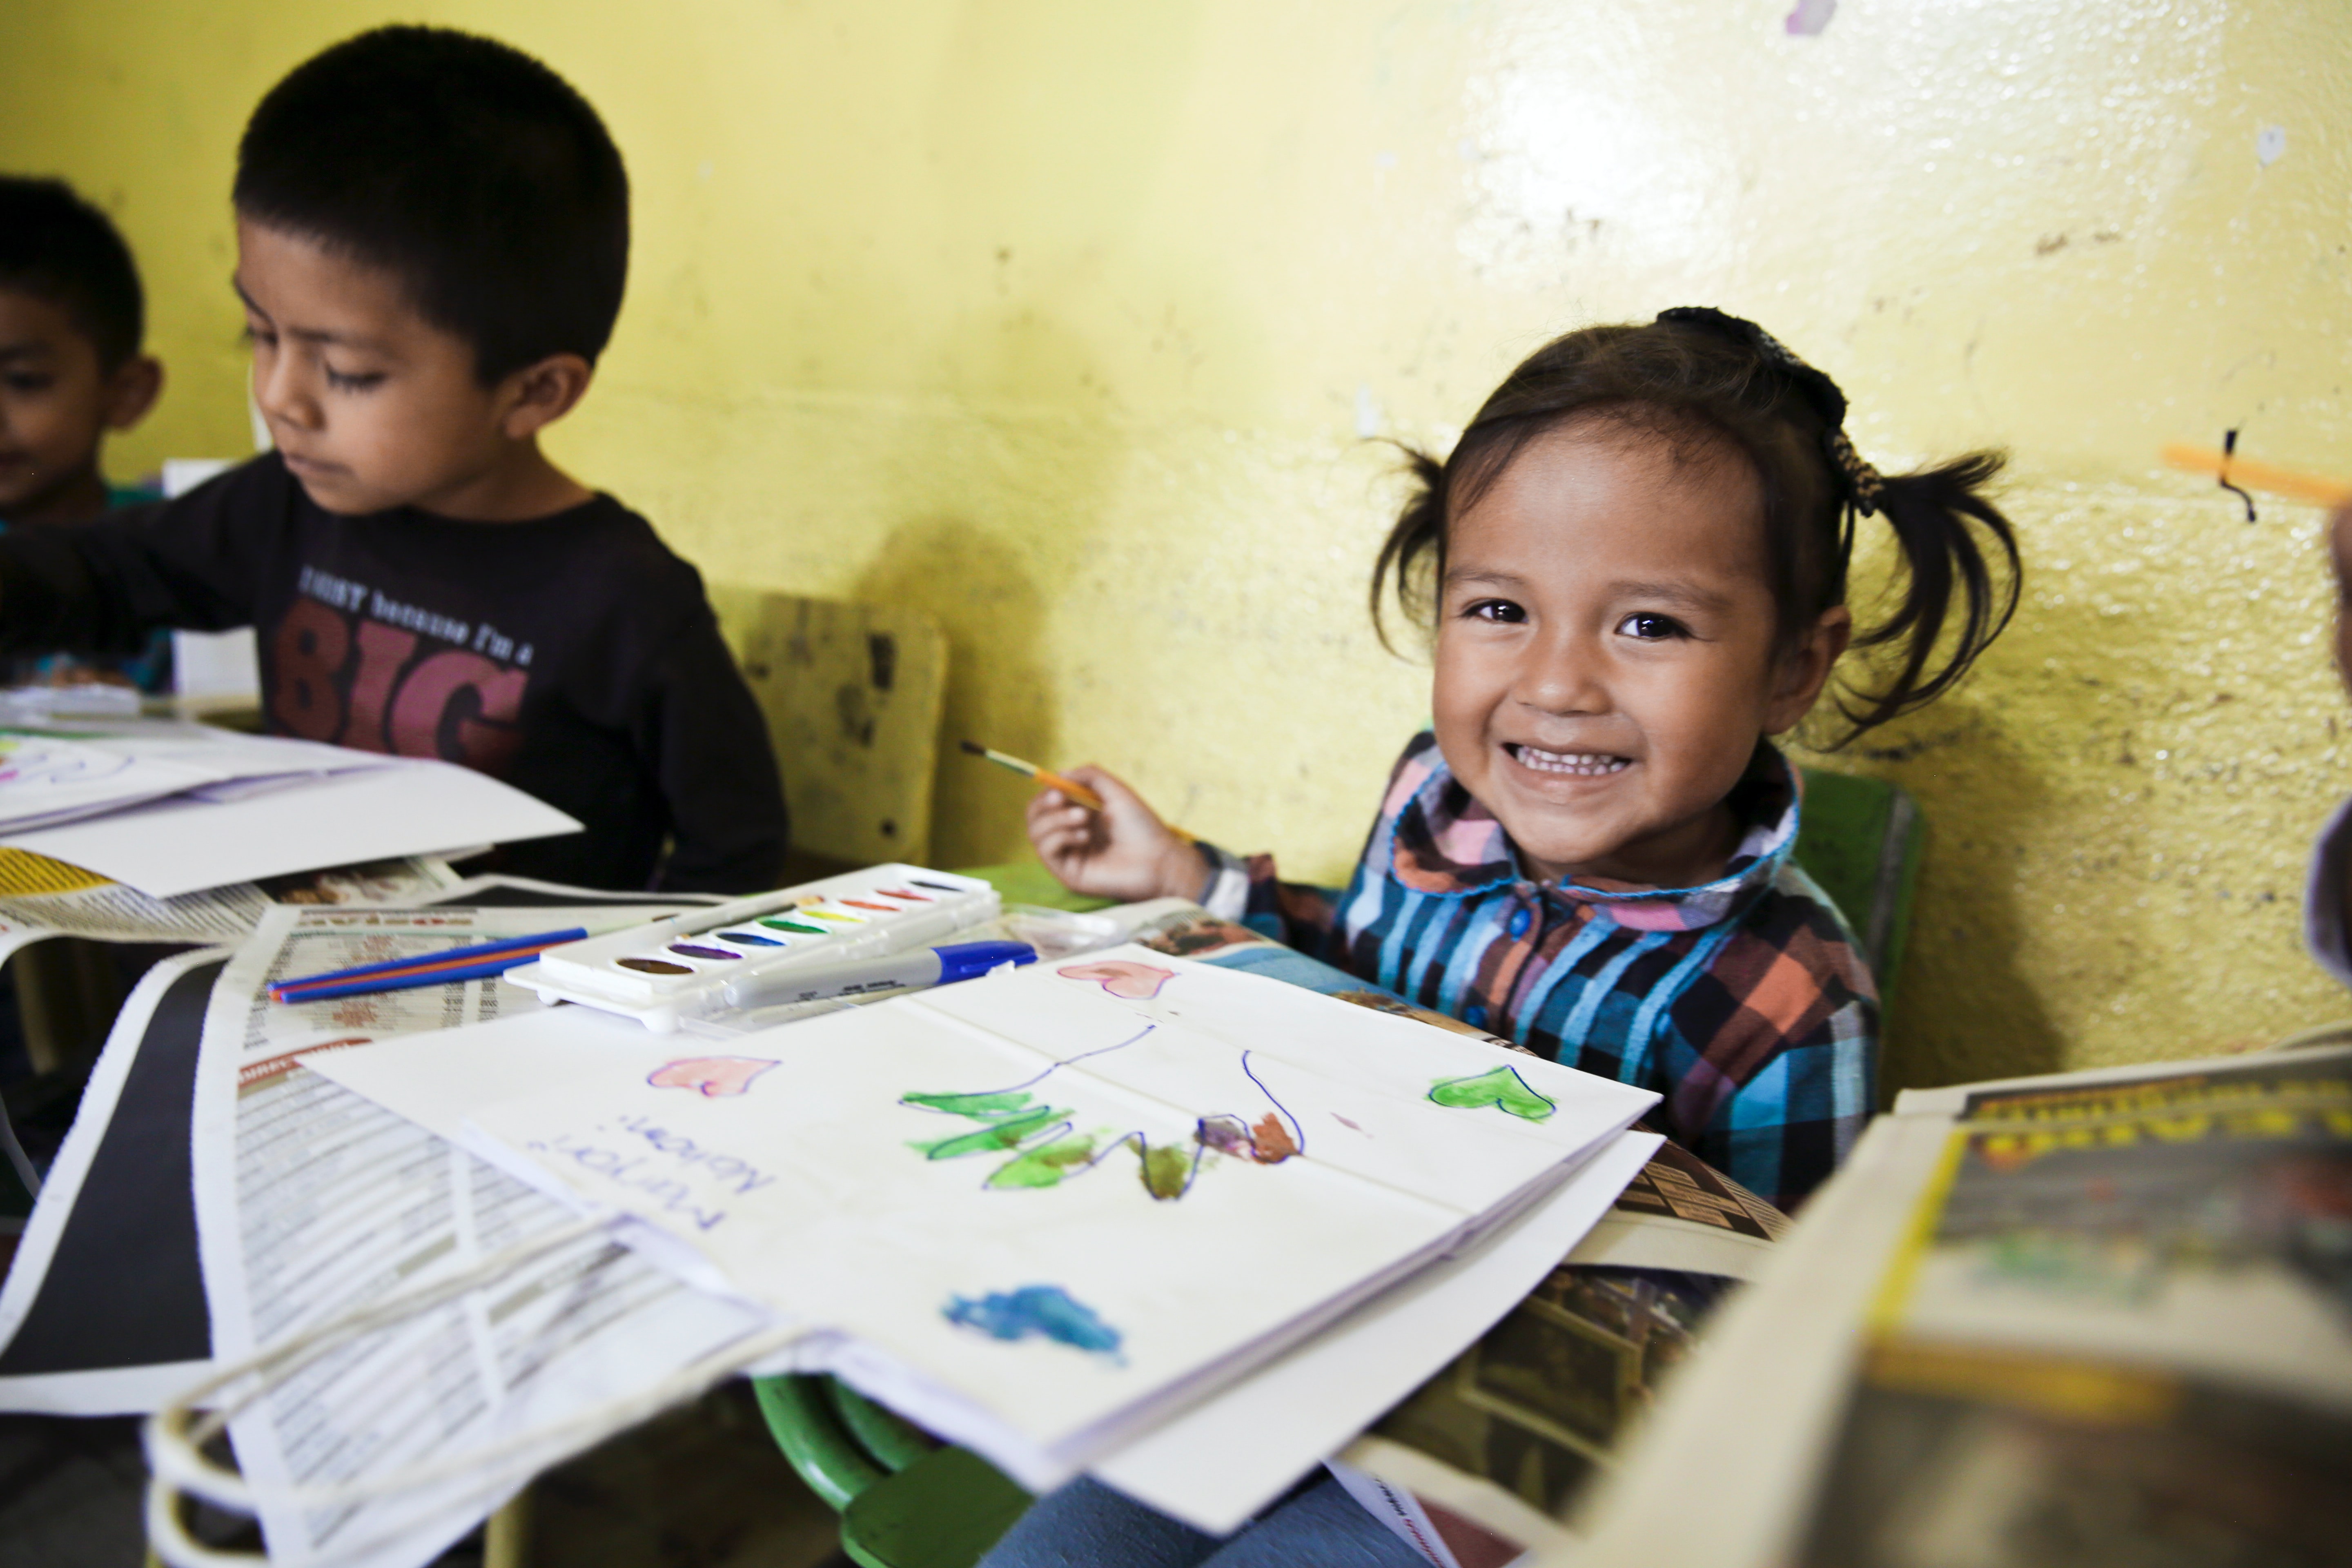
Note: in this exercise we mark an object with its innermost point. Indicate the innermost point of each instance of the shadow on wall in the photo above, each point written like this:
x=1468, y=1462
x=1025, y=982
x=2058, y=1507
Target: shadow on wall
x=1969, y=1007
x=2120, y=801
x=996, y=574
x=999, y=517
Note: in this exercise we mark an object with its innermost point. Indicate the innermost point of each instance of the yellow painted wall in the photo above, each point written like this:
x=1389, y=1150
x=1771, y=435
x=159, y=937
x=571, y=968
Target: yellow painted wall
x=1065, y=321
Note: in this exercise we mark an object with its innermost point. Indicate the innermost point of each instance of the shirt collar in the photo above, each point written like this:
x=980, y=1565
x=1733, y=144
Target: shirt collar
x=1446, y=844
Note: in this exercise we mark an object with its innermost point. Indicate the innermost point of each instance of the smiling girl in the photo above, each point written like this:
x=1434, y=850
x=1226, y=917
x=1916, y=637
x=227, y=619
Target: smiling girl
x=1635, y=564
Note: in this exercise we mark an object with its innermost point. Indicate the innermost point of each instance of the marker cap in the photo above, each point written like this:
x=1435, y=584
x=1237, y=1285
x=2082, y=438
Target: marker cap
x=969, y=960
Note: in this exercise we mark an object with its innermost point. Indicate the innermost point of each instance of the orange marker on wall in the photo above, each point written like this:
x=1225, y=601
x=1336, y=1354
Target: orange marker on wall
x=2233, y=469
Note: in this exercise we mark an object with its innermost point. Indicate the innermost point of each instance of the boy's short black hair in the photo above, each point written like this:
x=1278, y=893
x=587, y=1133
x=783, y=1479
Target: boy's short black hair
x=464, y=167
x=56, y=246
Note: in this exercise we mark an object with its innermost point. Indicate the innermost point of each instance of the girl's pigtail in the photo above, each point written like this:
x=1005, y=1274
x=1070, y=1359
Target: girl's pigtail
x=1414, y=550
x=1939, y=516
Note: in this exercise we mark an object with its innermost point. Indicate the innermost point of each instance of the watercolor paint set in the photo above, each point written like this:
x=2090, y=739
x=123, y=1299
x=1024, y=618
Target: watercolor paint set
x=671, y=971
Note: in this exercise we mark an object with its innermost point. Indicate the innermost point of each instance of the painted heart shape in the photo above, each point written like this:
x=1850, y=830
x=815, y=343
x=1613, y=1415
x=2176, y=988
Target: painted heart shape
x=1123, y=977
x=716, y=1077
x=1502, y=1087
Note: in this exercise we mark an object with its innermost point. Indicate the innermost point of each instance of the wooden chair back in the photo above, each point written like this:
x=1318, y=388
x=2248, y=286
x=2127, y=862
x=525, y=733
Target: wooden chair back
x=853, y=695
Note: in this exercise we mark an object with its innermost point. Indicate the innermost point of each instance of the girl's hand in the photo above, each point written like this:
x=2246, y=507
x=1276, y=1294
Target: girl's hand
x=1123, y=851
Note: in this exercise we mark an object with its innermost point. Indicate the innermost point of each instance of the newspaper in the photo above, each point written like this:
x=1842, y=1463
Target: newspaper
x=312, y=1203
x=43, y=898
x=2095, y=1318
x=103, y=1313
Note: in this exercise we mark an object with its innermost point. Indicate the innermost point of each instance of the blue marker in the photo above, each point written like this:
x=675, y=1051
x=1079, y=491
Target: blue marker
x=922, y=967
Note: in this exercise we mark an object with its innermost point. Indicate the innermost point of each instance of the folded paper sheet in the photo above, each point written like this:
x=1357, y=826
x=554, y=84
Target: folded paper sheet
x=1062, y=1202
x=398, y=806
x=1218, y=1463
x=46, y=780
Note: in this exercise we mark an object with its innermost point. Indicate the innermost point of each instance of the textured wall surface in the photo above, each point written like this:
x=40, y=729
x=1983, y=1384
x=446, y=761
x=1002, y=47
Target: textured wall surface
x=1068, y=322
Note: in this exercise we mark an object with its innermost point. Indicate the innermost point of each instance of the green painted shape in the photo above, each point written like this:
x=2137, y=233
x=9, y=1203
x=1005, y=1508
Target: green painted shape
x=994, y=1138
x=1501, y=1087
x=1166, y=1170
x=1045, y=1165
x=980, y=1106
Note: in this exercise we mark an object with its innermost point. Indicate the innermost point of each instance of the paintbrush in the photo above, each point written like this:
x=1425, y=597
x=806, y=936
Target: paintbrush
x=1050, y=780
x=1068, y=786
x=2234, y=469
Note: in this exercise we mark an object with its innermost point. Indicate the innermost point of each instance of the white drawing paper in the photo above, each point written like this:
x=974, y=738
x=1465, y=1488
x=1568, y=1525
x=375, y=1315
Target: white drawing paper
x=1217, y=1464
x=1068, y=1199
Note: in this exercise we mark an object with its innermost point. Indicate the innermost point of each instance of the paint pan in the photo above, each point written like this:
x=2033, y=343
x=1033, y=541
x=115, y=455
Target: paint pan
x=667, y=971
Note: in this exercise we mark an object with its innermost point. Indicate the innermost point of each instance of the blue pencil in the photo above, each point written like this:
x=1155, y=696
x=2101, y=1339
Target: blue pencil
x=423, y=969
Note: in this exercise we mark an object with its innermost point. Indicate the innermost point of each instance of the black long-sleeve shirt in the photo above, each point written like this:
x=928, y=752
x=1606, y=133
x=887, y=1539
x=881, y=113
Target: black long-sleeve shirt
x=572, y=656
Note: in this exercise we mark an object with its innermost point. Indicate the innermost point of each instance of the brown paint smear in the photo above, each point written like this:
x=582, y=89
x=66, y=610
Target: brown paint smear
x=1272, y=1139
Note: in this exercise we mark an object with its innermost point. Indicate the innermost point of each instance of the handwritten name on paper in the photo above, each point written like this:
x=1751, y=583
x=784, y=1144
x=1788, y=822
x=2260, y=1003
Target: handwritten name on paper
x=641, y=1155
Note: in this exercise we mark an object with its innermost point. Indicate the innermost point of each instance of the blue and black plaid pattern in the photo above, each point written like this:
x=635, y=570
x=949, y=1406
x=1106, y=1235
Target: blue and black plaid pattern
x=1745, y=1002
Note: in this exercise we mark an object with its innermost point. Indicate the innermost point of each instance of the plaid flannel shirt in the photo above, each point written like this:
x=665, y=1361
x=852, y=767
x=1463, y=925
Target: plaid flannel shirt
x=1744, y=1001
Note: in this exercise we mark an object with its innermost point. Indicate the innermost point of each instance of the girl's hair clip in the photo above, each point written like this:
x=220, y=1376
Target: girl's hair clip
x=1864, y=483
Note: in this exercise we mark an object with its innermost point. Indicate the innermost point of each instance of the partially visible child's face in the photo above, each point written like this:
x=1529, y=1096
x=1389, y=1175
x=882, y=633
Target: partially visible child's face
x=1607, y=655
x=2339, y=552
x=372, y=405
x=57, y=403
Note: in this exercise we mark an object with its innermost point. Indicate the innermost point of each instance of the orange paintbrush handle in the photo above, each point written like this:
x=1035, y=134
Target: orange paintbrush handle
x=1070, y=787
x=2258, y=476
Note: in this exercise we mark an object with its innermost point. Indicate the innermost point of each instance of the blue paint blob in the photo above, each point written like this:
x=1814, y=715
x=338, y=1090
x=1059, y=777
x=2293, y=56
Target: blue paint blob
x=748, y=939
x=1046, y=1309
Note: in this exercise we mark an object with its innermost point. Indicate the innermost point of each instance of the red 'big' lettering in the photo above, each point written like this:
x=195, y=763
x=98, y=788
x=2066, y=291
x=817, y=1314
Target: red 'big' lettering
x=455, y=706
x=428, y=717
x=312, y=642
x=383, y=650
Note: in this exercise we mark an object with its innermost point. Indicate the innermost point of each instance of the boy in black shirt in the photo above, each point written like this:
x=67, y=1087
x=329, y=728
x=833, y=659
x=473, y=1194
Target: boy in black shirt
x=432, y=237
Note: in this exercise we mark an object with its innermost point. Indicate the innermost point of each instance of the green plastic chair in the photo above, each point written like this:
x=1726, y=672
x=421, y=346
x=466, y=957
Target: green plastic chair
x=905, y=1500
x=1860, y=840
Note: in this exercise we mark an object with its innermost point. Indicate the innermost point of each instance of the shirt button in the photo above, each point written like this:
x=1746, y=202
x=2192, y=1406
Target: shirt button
x=1476, y=1017
x=1518, y=926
